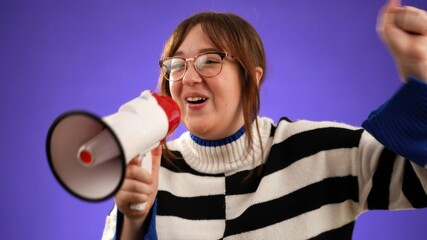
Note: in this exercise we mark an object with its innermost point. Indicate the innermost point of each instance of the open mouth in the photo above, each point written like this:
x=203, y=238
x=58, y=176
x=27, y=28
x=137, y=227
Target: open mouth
x=196, y=100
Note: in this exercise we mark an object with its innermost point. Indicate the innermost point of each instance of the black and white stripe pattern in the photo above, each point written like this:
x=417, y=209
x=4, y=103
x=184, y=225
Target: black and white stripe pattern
x=313, y=181
x=316, y=179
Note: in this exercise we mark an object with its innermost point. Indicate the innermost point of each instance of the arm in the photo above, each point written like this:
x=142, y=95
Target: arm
x=139, y=187
x=386, y=179
x=401, y=123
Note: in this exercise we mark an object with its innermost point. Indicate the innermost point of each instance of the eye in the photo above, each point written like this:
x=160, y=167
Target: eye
x=209, y=59
x=174, y=64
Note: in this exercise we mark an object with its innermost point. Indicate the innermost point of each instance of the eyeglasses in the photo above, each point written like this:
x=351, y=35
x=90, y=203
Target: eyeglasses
x=207, y=65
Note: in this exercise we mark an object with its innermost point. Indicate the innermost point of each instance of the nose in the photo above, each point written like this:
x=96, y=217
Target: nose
x=191, y=76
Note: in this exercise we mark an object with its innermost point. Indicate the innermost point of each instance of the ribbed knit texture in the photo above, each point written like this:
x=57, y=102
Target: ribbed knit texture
x=225, y=155
x=408, y=137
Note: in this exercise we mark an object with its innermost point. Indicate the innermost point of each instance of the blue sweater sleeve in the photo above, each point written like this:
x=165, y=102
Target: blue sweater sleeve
x=150, y=229
x=400, y=124
x=151, y=233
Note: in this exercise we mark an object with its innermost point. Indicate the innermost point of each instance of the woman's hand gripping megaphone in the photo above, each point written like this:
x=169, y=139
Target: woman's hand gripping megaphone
x=139, y=189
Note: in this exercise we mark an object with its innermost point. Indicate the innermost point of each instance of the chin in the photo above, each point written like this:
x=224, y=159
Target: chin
x=198, y=129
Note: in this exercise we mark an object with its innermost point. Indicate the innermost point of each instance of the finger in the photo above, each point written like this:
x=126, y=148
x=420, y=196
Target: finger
x=126, y=197
x=412, y=20
x=136, y=172
x=135, y=161
x=157, y=151
x=386, y=26
x=394, y=3
x=156, y=155
x=386, y=16
x=130, y=185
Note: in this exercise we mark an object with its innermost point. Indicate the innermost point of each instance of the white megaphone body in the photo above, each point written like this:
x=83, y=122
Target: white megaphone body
x=88, y=154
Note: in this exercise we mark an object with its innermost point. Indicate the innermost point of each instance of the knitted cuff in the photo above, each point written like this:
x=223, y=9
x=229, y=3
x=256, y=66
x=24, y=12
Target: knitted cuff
x=400, y=124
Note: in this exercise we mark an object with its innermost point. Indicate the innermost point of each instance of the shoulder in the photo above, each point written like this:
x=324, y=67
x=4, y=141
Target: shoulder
x=313, y=130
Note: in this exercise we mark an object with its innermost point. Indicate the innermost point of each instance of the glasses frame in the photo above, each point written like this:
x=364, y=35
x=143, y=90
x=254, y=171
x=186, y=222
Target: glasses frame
x=193, y=59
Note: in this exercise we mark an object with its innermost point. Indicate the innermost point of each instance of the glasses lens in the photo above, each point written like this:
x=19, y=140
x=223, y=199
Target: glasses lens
x=173, y=68
x=208, y=64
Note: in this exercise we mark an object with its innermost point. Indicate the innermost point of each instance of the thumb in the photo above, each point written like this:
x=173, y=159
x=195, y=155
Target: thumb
x=156, y=155
x=386, y=16
x=393, y=36
x=394, y=3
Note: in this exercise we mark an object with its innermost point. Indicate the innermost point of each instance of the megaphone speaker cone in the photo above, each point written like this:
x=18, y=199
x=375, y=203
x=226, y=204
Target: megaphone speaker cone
x=76, y=171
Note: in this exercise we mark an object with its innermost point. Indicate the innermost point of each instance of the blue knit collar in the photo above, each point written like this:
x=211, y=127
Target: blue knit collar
x=220, y=142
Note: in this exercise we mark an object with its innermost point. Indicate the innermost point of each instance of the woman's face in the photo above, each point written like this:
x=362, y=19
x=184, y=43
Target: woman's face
x=220, y=112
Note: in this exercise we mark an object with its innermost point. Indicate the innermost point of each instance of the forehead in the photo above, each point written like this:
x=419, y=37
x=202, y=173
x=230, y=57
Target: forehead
x=195, y=42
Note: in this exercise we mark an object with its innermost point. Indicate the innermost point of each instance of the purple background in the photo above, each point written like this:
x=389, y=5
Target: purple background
x=325, y=62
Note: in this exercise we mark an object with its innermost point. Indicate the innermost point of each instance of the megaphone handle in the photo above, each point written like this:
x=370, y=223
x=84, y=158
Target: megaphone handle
x=146, y=161
x=146, y=164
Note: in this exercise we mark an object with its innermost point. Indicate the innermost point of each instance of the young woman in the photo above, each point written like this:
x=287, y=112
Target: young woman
x=236, y=175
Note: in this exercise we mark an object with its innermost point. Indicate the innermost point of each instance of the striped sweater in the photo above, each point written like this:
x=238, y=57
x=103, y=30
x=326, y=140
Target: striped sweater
x=316, y=178
x=309, y=180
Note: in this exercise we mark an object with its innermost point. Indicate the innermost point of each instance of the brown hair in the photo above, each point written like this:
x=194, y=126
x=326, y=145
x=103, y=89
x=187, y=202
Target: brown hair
x=232, y=34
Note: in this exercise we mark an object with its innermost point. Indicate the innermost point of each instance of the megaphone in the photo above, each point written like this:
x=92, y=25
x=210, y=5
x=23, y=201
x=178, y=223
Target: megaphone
x=88, y=154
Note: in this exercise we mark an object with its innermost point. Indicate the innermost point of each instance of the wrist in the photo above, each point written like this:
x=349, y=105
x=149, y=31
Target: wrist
x=419, y=71
x=133, y=228
x=134, y=222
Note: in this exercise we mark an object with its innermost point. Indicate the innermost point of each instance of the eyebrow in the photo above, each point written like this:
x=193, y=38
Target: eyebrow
x=203, y=50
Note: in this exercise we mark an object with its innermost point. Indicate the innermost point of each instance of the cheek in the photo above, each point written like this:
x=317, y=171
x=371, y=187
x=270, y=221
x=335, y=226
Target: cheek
x=232, y=89
x=227, y=98
x=174, y=90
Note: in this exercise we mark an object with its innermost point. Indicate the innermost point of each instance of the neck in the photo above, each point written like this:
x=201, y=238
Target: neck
x=220, y=142
x=225, y=155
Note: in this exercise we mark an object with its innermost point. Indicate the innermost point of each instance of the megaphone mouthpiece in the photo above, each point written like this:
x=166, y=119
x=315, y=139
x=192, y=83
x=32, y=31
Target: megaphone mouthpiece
x=86, y=157
x=102, y=147
x=171, y=109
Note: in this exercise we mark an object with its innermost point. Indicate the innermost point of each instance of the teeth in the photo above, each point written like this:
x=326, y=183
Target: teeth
x=195, y=99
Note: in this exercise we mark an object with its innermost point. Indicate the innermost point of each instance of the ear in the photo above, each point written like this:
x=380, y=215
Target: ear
x=258, y=73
